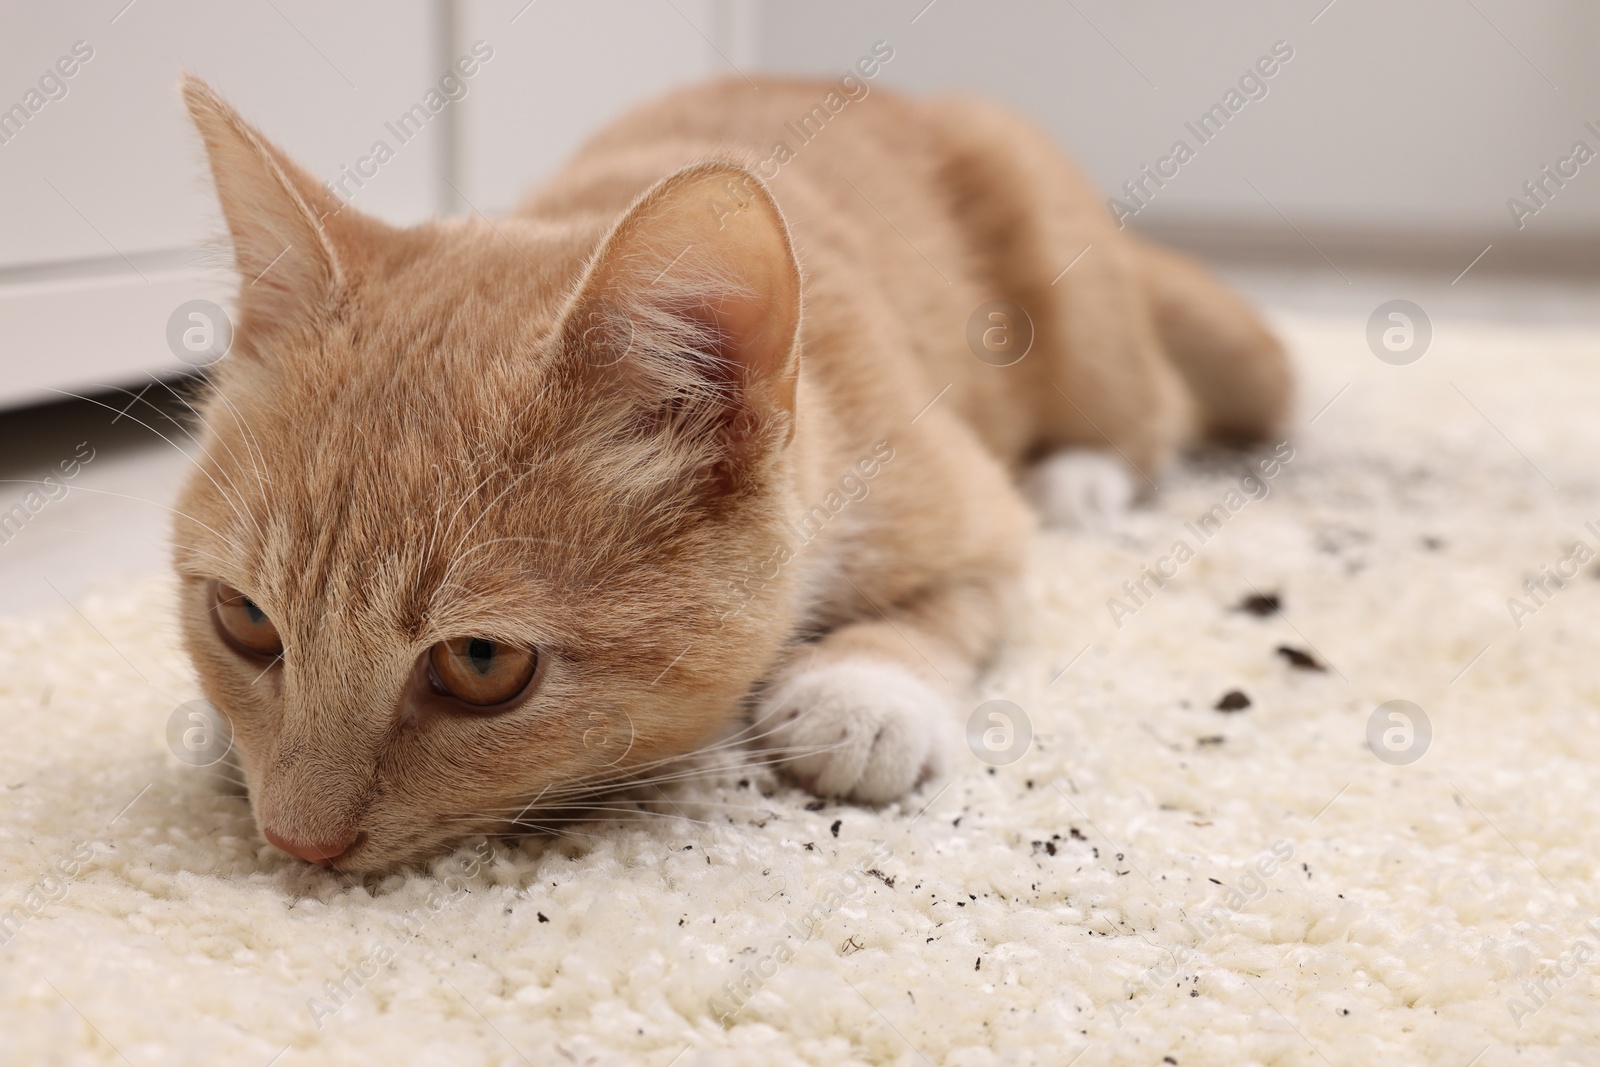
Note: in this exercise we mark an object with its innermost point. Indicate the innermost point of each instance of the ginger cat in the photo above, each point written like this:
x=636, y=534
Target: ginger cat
x=493, y=513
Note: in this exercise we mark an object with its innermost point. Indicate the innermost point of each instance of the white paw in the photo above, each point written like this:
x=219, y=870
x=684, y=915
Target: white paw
x=1090, y=490
x=862, y=729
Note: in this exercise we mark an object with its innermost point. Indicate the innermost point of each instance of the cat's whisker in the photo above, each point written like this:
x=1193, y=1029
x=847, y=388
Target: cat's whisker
x=694, y=772
x=468, y=497
x=199, y=552
x=540, y=827
x=179, y=449
x=471, y=594
x=624, y=798
x=125, y=496
x=549, y=820
x=580, y=814
x=240, y=782
x=745, y=737
x=438, y=509
x=456, y=559
x=596, y=783
x=140, y=398
x=592, y=786
x=736, y=741
x=615, y=792
x=630, y=804
x=166, y=541
x=535, y=540
x=688, y=774
x=147, y=540
x=225, y=770
x=733, y=741
x=252, y=442
x=275, y=661
x=211, y=430
x=196, y=550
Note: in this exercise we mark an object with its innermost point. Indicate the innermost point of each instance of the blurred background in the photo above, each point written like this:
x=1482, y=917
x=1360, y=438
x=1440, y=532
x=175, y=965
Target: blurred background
x=1438, y=150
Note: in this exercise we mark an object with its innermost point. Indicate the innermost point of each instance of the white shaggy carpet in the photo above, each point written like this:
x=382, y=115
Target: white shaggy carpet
x=1155, y=882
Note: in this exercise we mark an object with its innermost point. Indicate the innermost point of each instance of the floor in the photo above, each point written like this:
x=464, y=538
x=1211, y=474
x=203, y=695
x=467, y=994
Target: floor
x=113, y=520
x=1324, y=796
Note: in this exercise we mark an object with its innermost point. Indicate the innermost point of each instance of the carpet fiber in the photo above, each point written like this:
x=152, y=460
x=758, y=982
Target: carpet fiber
x=1154, y=881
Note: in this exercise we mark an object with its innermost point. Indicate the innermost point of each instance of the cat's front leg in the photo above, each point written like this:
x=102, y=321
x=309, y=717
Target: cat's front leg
x=865, y=727
x=872, y=709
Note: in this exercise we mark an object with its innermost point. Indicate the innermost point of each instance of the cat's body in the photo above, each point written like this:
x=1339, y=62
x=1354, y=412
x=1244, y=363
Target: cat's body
x=729, y=439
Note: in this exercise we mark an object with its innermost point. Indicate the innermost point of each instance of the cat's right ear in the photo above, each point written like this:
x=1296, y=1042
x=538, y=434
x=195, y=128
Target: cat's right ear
x=693, y=303
x=277, y=214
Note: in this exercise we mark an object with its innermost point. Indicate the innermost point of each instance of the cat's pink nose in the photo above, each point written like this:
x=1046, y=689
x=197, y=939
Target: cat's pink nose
x=323, y=853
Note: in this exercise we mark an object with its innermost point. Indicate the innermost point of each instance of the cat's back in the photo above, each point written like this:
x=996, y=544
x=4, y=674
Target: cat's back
x=847, y=152
x=906, y=214
x=779, y=127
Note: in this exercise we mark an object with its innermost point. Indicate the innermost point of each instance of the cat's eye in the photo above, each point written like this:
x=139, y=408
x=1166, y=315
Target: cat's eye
x=244, y=624
x=481, y=671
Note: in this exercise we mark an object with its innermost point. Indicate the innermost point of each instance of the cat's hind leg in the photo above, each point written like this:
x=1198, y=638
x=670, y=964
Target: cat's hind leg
x=1080, y=488
x=1234, y=367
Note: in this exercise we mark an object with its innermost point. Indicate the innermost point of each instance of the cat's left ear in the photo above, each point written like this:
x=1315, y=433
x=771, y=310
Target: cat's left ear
x=696, y=294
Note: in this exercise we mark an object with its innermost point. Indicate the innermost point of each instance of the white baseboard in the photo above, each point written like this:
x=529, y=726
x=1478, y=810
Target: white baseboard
x=92, y=331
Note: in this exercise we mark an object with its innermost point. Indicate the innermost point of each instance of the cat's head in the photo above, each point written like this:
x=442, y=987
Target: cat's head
x=471, y=497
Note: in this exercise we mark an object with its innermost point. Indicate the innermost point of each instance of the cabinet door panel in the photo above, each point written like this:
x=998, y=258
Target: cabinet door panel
x=561, y=70
x=112, y=167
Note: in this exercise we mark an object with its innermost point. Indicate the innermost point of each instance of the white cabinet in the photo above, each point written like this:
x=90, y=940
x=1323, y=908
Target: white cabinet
x=109, y=221
x=562, y=69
